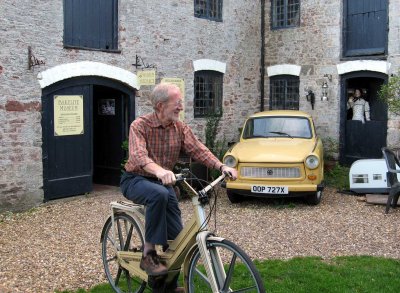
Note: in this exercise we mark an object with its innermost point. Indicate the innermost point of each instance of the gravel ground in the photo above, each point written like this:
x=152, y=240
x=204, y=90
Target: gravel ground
x=56, y=246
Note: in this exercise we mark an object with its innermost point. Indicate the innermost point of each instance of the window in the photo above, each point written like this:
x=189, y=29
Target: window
x=91, y=24
x=207, y=93
x=365, y=28
x=210, y=9
x=284, y=93
x=277, y=126
x=285, y=13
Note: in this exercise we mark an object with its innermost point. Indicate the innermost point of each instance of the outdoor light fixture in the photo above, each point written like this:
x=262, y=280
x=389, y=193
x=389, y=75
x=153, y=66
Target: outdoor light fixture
x=324, y=91
x=311, y=98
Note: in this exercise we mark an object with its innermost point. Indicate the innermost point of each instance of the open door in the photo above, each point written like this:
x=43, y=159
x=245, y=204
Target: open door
x=82, y=141
x=67, y=141
x=110, y=130
x=363, y=140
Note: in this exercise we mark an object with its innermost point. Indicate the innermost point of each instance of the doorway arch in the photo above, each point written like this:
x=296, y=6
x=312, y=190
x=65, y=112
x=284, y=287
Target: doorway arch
x=73, y=162
x=362, y=140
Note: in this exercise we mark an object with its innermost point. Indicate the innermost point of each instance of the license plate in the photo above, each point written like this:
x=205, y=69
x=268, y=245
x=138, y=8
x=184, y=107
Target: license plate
x=269, y=189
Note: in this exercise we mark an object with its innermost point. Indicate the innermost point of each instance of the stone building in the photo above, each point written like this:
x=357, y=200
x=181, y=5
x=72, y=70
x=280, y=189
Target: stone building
x=74, y=74
x=329, y=49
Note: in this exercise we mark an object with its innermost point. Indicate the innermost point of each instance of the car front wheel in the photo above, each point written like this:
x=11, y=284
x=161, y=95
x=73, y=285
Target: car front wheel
x=315, y=198
x=234, y=197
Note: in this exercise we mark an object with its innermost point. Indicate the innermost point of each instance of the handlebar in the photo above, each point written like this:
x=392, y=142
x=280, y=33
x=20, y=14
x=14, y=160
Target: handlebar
x=202, y=193
x=185, y=173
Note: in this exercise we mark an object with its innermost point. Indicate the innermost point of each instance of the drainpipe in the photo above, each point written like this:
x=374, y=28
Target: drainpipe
x=262, y=59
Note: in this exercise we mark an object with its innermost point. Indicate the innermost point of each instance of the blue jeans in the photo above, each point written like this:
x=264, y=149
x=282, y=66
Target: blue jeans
x=163, y=217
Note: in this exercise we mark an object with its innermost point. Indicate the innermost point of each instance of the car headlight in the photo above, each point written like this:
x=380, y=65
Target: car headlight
x=312, y=162
x=230, y=161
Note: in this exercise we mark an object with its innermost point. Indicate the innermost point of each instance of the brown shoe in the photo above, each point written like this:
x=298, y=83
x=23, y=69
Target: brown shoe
x=152, y=265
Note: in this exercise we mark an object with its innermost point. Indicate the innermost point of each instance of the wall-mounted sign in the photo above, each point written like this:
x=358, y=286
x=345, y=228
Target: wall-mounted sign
x=146, y=77
x=68, y=115
x=181, y=84
x=106, y=107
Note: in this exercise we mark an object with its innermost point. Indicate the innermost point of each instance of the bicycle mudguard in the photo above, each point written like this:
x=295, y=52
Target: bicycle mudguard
x=189, y=254
x=137, y=212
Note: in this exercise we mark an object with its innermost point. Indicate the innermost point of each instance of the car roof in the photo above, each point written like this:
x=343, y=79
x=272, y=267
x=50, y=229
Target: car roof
x=281, y=113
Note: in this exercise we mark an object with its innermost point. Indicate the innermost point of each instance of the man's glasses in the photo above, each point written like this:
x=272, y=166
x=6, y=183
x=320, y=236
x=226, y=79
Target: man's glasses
x=177, y=103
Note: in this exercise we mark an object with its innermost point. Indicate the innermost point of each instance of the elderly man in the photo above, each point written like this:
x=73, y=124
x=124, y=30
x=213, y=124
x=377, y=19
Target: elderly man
x=155, y=142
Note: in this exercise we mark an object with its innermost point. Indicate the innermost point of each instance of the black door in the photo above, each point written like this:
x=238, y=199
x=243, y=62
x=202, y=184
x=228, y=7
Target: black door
x=109, y=123
x=365, y=27
x=363, y=140
x=74, y=159
x=67, y=158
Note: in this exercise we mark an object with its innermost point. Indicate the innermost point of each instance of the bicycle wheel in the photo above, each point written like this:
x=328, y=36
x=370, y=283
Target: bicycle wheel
x=233, y=270
x=127, y=237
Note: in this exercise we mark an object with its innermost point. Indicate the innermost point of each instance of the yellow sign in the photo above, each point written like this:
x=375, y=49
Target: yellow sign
x=181, y=84
x=68, y=115
x=146, y=77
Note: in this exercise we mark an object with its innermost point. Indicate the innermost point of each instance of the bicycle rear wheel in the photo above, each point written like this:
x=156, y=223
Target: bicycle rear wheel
x=128, y=237
x=233, y=269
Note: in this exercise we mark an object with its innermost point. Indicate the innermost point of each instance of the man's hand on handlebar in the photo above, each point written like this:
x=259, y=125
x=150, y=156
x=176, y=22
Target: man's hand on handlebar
x=166, y=177
x=230, y=172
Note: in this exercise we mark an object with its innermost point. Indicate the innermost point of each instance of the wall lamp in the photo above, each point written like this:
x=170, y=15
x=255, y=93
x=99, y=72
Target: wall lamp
x=325, y=87
x=311, y=98
x=324, y=91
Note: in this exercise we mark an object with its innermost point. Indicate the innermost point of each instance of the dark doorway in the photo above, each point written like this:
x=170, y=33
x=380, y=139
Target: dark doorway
x=109, y=131
x=362, y=140
x=72, y=161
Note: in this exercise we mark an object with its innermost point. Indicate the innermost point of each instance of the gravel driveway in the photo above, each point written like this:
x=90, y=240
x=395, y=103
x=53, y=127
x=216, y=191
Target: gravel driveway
x=56, y=246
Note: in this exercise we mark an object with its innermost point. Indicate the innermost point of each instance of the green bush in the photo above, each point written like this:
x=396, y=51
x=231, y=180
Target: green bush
x=338, y=177
x=390, y=94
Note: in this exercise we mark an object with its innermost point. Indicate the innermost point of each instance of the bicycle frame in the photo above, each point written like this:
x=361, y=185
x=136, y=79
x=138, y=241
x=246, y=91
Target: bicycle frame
x=182, y=248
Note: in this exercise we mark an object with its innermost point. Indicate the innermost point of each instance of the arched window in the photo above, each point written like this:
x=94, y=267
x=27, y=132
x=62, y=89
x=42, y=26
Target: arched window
x=284, y=92
x=207, y=93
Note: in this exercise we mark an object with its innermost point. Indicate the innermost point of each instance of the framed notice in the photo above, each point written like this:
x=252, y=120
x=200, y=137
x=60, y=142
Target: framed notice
x=146, y=77
x=68, y=115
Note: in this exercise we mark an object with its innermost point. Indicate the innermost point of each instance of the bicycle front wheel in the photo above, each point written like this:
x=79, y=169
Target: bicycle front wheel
x=127, y=237
x=232, y=268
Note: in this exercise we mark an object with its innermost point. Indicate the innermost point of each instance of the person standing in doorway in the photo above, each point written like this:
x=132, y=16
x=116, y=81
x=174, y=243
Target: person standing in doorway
x=360, y=107
x=155, y=142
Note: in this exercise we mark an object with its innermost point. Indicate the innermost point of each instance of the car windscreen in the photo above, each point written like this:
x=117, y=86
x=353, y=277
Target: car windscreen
x=298, y=127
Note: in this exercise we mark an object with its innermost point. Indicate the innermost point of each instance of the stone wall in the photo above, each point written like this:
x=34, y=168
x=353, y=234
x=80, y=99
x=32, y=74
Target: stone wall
x=393, y=135
x=316, y=46
x=164, y=33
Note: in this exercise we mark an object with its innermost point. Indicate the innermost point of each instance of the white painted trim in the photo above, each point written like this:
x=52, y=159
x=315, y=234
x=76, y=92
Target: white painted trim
x=86, y=68
x=283, y=69
x=208, y=64
x=363, y=65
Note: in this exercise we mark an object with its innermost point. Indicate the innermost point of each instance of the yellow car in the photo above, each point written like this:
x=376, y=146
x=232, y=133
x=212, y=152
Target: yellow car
x=278, y=155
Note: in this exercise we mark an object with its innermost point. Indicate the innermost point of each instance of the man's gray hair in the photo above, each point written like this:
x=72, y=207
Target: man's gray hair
x=160, y=93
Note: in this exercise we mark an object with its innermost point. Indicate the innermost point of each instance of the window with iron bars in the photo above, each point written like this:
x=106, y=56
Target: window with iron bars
x=285, y=13
x=207, y=93
x=209, y=9
x=284, y=93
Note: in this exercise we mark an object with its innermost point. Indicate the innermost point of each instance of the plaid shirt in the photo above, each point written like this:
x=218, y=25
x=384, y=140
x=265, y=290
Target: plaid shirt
x=150, y=142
